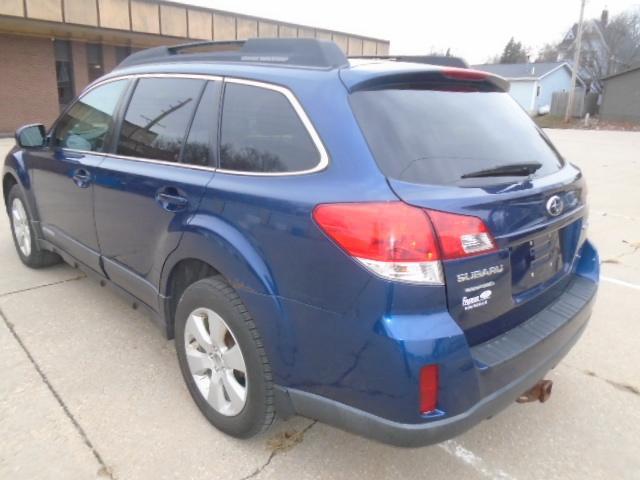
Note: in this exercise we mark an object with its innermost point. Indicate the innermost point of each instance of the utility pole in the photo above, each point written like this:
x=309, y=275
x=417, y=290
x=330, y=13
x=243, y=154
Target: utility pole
x=576, y=65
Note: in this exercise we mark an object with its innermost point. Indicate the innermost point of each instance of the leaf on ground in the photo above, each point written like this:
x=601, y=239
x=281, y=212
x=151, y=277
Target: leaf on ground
x=611, y=260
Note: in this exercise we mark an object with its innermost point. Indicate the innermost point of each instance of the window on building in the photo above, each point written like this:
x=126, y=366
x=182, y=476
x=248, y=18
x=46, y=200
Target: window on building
x=261, y=132
x=157, y=118
x=95, y=63
x=86, y=124
x=202, y=134
x=538, y=90
x=64, y=72
x=122, y=53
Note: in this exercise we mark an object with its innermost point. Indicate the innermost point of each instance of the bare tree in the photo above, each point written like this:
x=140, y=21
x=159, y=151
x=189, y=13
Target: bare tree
x=623, y=37
x=621, y=48
x=548, y=53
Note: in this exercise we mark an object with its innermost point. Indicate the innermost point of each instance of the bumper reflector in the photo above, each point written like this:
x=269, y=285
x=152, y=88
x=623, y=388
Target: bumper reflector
x=428, y=388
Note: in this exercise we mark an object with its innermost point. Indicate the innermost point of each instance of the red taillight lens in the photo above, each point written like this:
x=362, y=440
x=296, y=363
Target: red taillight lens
x=386, y=232
x=401, y=242
x=461, y=235
x=464, y=74
x=392, y=239
x=428, y=388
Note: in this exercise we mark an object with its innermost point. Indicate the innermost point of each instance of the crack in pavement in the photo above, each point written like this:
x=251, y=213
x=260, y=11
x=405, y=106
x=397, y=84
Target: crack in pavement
x=37, y=287
x=289, y=443
x=625, y=387
x=104, y=470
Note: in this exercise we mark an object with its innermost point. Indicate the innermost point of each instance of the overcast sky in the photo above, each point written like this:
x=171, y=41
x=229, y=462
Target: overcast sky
x=473, y=29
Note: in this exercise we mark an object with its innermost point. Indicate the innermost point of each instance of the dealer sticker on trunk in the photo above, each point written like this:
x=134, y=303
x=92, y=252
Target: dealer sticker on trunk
x=480, y=300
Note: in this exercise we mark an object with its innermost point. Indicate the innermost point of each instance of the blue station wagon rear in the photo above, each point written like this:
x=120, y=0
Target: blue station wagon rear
x=391, y=248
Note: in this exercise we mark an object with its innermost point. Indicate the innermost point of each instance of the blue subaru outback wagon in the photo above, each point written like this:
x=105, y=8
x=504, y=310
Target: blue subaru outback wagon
x=391, y=248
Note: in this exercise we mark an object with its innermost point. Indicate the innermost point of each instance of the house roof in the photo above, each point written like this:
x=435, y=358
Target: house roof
x=521, y=70
x=629, y=70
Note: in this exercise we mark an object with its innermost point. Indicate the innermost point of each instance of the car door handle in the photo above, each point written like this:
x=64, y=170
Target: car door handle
x=81, y=177
x=170, y=199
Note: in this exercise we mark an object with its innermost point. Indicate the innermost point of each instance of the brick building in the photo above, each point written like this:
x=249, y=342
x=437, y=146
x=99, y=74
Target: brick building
x=51, y=49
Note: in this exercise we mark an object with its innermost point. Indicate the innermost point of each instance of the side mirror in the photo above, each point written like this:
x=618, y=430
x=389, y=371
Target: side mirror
x=31, y=136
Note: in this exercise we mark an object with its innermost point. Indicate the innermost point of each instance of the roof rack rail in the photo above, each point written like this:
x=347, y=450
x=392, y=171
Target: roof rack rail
x=441, y=60
x=305, y=52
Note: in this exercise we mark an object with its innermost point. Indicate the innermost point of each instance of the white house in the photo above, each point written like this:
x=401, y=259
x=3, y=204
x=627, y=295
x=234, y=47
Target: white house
x=533, y=84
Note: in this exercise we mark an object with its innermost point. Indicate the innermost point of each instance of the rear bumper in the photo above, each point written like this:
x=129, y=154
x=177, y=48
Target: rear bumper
x=541, y=342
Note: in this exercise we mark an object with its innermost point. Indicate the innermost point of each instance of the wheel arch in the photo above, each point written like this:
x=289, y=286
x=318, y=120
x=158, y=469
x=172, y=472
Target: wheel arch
x=8, y=181
x=15, y=173
x=211, y=246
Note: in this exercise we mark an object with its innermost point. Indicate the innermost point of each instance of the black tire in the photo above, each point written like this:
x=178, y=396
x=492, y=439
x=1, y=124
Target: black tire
x=37, y=258
x=258, y=413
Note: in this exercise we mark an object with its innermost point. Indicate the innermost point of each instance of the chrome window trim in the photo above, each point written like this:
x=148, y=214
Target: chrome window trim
x=297, y=107
x=302, y=116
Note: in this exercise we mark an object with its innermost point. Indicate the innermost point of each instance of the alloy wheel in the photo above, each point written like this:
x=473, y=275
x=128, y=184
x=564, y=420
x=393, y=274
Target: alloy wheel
x=216, y=361
x=20, y=222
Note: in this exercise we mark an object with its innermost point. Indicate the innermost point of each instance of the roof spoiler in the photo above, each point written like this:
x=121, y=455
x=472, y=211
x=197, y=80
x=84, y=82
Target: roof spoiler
x=460, y=79
x=442, y=60
x=305, y=52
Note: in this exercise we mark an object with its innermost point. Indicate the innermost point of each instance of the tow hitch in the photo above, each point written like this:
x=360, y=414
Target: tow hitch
x=541, y=391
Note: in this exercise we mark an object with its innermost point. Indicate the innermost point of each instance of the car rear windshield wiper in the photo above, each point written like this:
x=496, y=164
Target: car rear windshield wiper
x=512, y=170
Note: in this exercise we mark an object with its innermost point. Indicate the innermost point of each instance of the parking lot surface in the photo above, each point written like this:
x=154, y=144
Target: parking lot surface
x=90, y=389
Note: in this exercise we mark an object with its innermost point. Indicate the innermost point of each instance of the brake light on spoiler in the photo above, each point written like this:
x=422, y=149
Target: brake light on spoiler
x=400, y=242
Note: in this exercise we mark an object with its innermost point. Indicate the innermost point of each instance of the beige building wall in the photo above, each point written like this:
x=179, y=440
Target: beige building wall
x=81, y=12
x=173, y=21
x=224, y=27
x=27, y=27
x=114, y=14
x=152, y=22
x=145, y=17
x=247, y=28
x=200, y=24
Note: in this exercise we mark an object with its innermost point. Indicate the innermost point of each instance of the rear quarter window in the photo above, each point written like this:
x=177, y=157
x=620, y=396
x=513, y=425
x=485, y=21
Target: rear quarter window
x=437, y=136
x=262, y=133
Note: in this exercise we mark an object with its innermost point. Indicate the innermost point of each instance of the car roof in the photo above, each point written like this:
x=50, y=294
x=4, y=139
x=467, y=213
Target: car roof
x=293, y=63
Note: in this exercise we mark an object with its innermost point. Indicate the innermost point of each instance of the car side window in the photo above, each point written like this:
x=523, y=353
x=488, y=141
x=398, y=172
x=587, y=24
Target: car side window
x=204, y=128
x=262, y=133
x=157, y=118
x=84, y=126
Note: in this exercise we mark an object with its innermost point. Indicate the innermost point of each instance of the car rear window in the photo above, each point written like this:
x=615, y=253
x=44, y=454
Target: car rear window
x=437, y=136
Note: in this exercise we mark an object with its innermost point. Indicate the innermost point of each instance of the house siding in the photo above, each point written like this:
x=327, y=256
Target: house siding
x=523, y=91
x=558, y=81
x=621, y=98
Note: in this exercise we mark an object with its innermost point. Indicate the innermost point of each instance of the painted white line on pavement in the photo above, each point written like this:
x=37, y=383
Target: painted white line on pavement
x=478, y=464
x=620, y=282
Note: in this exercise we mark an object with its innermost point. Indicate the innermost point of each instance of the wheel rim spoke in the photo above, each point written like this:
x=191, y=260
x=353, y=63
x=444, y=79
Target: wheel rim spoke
x=216, y=395
x=196, y=330
x=218, y=330
x=236, y=392
x=199, y=362
x=233, y=359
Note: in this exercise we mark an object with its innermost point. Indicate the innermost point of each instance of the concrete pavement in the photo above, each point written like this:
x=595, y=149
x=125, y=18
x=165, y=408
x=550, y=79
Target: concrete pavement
x=90, y=389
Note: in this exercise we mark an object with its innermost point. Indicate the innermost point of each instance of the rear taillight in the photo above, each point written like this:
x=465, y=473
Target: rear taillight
x=401, y=242
x=463, y=74
x=461, y=235
x=428, y=389
x=394, y=240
